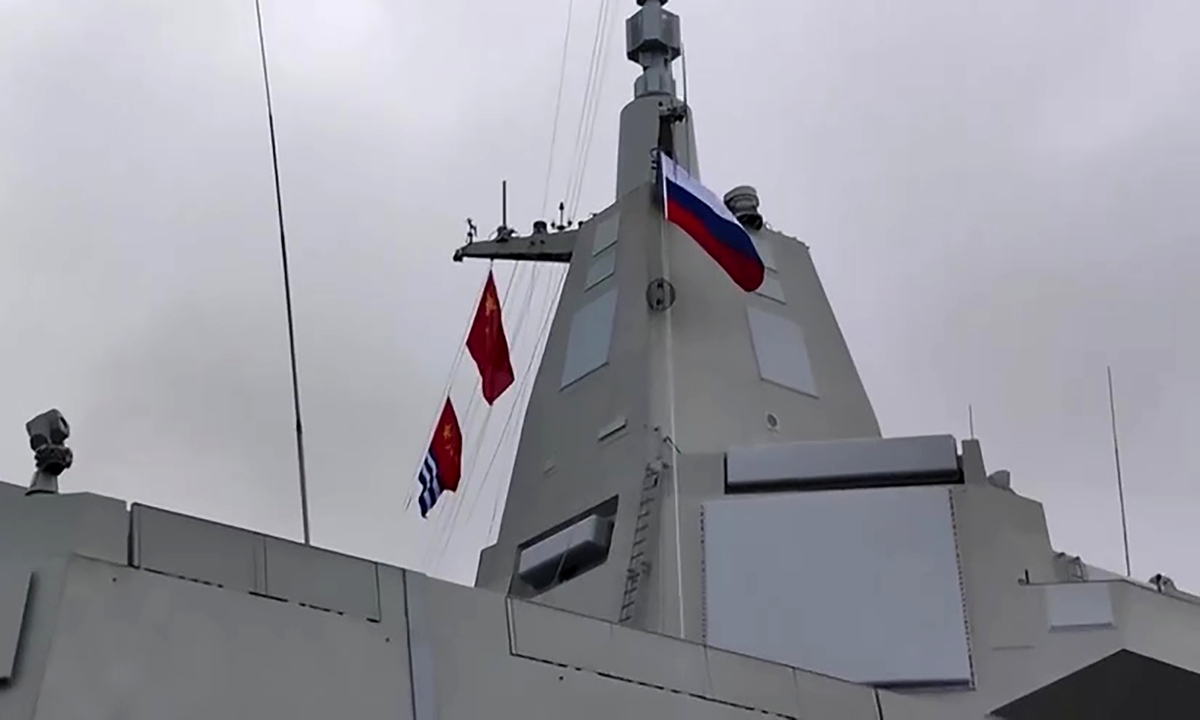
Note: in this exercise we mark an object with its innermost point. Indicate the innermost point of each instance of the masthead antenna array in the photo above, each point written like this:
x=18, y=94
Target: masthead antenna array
x=287, y=284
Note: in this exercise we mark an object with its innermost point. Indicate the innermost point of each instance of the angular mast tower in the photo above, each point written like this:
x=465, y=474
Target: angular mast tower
x=655, y=366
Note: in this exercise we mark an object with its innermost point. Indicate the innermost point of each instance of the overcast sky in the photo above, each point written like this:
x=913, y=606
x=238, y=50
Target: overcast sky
x=1001, y=198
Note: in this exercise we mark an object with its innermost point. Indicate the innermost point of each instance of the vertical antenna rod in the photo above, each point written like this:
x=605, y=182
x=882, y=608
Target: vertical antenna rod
x=287, y=284
x=1112, y=411
x=971, y=420
x=504, y=204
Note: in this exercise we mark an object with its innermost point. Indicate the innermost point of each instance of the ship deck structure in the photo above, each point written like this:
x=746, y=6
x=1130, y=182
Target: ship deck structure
x=704, y=521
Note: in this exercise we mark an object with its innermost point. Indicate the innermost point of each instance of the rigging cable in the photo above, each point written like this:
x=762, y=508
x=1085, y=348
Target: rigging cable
x=473, y=500
x=585, y=129
x=542, y=337
x=588, y=99
x=468, y=473
x=415, y=490
x=444, y=530
x=462, y=349
x=447, y=529
x=595, y=112
x=562, y=74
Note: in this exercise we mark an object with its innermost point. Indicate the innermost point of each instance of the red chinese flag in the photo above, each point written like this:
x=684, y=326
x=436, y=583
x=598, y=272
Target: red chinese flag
x=446, y=448
x=488, y=346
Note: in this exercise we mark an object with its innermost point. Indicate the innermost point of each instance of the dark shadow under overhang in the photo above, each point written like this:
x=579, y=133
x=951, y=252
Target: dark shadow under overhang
x=1122, y=685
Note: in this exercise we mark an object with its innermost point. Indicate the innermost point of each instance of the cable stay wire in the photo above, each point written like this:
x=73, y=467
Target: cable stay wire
x=594, y=112
x=469, y=418
x=562, y=75
x=448, y=527
x=471, y=482
x=444, y=528
x=414, y=488
x=554, y=287
x=454, y=365
x=470, y=501
x=588, y=98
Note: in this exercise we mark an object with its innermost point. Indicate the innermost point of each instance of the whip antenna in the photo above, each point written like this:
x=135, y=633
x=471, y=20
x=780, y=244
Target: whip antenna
x=287, y=284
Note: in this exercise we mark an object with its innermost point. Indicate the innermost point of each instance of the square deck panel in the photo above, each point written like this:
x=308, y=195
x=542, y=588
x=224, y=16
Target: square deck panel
x=590, y=337
x=862, y=585
x=780, y=350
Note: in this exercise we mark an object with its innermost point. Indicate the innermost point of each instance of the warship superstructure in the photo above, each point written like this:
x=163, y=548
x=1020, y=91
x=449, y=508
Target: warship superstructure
x=703, y=521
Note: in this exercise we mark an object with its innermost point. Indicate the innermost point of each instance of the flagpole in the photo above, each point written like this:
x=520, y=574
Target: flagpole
x=674, y=461
x=287, y=284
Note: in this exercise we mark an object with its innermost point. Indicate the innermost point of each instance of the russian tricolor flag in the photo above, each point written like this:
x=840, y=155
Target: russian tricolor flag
x=701, y=214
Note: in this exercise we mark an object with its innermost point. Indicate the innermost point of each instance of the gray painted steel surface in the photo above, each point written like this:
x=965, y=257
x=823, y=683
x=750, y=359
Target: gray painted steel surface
x=144, y=614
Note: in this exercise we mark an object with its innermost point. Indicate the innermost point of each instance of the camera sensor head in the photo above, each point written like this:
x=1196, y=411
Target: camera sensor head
x=49, y=428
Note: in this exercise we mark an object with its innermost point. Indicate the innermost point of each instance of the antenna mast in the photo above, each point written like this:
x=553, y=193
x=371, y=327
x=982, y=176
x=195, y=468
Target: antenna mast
x=287, y=284
x=1112, y=411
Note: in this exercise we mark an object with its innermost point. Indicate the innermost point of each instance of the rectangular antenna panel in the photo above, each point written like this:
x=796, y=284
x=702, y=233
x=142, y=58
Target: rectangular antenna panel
x=869, y=462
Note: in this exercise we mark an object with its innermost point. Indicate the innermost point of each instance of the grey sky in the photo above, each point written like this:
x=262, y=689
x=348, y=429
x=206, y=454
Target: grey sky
x=1001, y=200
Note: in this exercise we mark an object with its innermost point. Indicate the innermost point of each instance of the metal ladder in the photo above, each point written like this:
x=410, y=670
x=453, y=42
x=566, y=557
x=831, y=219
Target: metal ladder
x=639, y=559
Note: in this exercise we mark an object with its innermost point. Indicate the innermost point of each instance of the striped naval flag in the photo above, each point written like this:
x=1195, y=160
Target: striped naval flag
x=442, y=468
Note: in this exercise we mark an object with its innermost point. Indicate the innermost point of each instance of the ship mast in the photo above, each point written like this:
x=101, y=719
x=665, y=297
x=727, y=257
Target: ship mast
x=655, y=366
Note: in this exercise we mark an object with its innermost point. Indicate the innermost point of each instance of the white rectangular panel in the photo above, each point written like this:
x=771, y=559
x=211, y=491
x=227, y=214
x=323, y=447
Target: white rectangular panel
x=602, y=268
x=877, y=461
x=771, y=288
x=863, y=585
x=1079, y=605
x=780, y=350
x=590, y=337
x=606, y=234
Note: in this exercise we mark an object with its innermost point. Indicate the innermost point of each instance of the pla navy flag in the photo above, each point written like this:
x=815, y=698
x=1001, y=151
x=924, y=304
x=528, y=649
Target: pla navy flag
x=443, y=463
x=701, y=214
x=488, y=346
